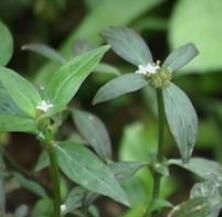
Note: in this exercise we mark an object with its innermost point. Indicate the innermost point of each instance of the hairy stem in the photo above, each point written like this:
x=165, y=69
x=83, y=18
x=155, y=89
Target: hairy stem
x=54, y=170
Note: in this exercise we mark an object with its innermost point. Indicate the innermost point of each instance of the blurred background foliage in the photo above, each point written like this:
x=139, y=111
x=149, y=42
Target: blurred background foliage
x=165, y=25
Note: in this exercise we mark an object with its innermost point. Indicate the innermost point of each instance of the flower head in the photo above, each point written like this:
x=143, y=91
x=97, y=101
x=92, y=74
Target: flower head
x=44, y=106
x=149, y=69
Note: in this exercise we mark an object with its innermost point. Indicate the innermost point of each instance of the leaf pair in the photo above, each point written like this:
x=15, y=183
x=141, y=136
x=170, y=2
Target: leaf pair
x=60, y=89
x=181, y=116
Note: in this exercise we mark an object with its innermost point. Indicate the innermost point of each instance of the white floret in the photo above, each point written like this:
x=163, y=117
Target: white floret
x=44, y=106
x=149, y=69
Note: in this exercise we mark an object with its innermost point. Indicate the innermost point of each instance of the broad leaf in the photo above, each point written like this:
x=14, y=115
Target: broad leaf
x=30, y=185
x=128, y=44
x=45, y=51
x=66, y=81
x=119, y=86
x=96, y=21
x=94, y=132
x=197, y=207
x=84, y=168
x=125, y=170
x=181, y=56
x=203, y=30
x=13, y=123
x=182, y=119
x=206, y=169
x=6, y=48
x=20, y=90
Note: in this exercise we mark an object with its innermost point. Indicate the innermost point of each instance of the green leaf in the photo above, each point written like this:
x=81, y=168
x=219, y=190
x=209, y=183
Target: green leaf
x=206, y=169
x=106, y=68
x=160, y=204
x=43, y=208
x=125, y=170
x=94, y=132
x=74, y=199
x=6, y=48
x=128, y=44
x=208, y=189
x=181, y=56
x=30, y=185
x=95, y=22
x=42, y=162
x=182, y=119
x=197, y=207
x=119, y=86
x=20, y=90
x=204, y=31
x=84, y=168
x=45, y=51
x=21, y=211
x=66, y=81
x=13, y=123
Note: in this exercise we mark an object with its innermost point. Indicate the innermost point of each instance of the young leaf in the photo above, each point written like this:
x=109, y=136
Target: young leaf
x=206, y=169
x=85, y=168
x=182, y=119
x=119, y=86
x=128, y=44
x=67, y=80
x=45, y=51
x=197, y=207
x=20, y=90
x=42, y=162
x=30, y=185
x=6, y=49
x=181, y=56
x=14, y=123
x=125, y=170
x=94, y=132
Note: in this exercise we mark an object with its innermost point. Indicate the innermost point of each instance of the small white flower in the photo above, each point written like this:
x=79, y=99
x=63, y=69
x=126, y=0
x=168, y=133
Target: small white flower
x=63, y=208
x=44, y=106
x=149, y=69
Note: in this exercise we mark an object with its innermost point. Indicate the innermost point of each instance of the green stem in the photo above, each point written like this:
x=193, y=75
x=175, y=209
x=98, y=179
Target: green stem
x=160, y=156
x=161, y=119
x=54, y=170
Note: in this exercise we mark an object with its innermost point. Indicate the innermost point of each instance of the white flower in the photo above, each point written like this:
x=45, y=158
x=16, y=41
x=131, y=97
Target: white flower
x=149, y=69
x=63, y=208
x=44, y=106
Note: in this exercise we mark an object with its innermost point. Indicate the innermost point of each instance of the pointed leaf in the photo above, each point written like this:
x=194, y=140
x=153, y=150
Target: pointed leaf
x=106, y=68
x=13, y=123
x=206, y=169
x=182, y=119
x=6, y=48
x=45, y=51
x=197, y=207
x=94, y=132
x=20, y=90
x=30, y=185
x=119, y=86
x=85, y=168
x=67, y=80
x=42, y=162
x=128, y=44
x=181, y=56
